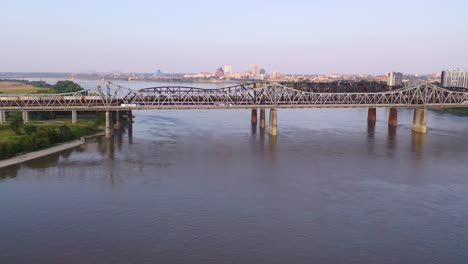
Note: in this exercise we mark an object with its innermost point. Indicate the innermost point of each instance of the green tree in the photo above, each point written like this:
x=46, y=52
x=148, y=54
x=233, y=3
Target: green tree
x=3, y=151
x=65, y=133
x=29, y=129
x=66, y=87
x=16, y=125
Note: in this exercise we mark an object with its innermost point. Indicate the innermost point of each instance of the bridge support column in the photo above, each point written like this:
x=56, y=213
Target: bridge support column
x=393, y=117
x=118, y=123
x=25, y=117
x=129, y=117
x=109, y=127
x=74, y=117
x=2, y=117
x=420, y=120
x=254, y=116
x=372, y=114
x=262, y=118
x=273, y=130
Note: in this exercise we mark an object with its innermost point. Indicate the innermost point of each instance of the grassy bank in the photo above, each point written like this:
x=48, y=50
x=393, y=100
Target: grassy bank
x=7, y=87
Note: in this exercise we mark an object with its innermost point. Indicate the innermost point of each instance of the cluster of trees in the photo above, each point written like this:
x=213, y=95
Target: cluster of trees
x=66, y=87
x=59, y=87
x=33, y=138
x=340, y=86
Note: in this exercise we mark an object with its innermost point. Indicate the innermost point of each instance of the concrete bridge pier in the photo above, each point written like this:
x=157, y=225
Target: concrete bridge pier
x=273, y=129
x=420, y=120
x=109, y=125
x=25, y=117
x=74, y=117
x=118, y=123
x=372, y=114
x=393, y=117
x=262, y=118
x=254, y=116
x=2, y=117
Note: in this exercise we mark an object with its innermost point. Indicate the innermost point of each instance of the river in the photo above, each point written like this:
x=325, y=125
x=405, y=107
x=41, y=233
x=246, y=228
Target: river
x=206, y=187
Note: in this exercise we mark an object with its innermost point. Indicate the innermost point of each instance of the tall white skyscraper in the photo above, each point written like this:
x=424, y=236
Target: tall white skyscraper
x=455, y=78
x=228, y=70
x=254, y=69
x=395, y=79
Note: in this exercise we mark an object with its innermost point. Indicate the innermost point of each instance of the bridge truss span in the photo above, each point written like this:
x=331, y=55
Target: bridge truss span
x=250, y=95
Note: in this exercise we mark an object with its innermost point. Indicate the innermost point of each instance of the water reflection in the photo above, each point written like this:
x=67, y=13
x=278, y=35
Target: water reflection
x=418, y=141
x=391, y=139
x=110, y=150
x=371, y=136
x=371, y=128
x=119, y=138
x=9, y=172
x=130, y=131
x=272, y=146
x=254, y=129
x=262, y=136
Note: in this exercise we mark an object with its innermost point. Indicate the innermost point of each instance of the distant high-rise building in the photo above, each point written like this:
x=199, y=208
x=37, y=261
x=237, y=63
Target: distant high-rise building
x=158, y=73
x=228, y=70
x=262, y=71
x=219, y=72
x=454, y=78
x=395, y=79
x=276, y=75
x=254, y=69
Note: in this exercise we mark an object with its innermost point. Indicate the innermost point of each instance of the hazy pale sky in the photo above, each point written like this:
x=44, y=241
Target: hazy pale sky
x=295, y=36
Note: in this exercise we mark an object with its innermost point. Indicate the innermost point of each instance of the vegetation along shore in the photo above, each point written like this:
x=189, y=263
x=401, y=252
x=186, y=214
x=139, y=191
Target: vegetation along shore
x=45, y=129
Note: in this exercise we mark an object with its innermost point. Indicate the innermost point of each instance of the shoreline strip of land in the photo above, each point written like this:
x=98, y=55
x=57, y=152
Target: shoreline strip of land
x=41, y=153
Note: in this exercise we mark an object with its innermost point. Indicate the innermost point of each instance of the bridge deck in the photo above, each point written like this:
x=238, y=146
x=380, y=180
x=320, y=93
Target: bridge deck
x=245, y=96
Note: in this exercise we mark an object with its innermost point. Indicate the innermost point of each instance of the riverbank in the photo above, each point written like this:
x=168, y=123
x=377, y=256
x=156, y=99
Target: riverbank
x=457, y=111
x=45, y=152
x=41, y=153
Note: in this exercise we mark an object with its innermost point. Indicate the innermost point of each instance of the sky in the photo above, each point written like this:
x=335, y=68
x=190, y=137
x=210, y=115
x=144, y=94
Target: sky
x=295, y=36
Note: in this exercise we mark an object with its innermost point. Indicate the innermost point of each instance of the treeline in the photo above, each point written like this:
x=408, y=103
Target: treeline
x=34, y=138
x=59, y=87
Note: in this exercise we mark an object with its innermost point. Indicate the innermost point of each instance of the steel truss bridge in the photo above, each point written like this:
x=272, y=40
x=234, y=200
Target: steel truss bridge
x=243, y=96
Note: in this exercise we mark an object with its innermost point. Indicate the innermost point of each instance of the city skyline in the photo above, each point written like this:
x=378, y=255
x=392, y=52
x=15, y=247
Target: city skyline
x=362, y=37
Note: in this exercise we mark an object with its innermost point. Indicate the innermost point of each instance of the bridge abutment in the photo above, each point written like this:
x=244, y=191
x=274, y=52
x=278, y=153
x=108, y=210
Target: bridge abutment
x=25, y=117
x=393, y=117
x=372, y=114
x=109, y=126
x=273, y=116
x=262, y=118
x=2, y=117
x=254, y=116
x=420, y=120
x=74, y=117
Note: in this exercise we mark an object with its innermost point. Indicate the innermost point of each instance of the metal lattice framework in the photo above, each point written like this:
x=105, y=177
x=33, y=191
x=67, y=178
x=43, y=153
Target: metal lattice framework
x=250, y=95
